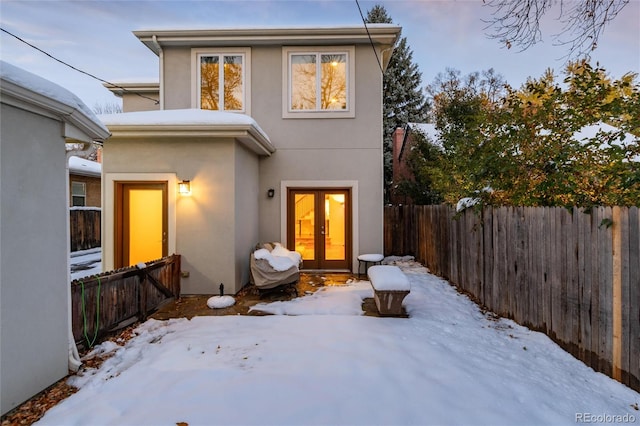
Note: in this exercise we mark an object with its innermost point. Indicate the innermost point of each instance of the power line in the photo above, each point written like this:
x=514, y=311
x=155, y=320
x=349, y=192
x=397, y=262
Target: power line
x=364, y=21
x=77, y=69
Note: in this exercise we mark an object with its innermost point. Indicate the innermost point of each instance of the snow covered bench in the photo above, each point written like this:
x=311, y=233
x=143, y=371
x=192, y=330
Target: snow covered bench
x=390, y=286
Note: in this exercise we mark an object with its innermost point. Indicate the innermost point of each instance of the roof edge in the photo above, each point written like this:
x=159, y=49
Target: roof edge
x=384, y=34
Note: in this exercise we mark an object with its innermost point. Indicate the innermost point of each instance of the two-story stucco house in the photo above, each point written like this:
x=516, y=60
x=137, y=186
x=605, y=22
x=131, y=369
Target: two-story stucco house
x=277, y=131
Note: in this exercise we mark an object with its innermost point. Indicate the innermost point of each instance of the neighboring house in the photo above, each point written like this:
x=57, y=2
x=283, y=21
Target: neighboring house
x=403, y=143
x=37, y=118
x=279, y=133
x=85, y=185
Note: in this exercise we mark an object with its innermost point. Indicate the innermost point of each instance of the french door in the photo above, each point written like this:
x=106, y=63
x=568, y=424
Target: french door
x=319, y=226
x=140, y=222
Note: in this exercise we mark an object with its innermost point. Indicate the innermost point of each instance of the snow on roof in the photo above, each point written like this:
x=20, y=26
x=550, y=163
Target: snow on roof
x=178, y=117
x=159, y=120
x=82, y=166
x=43, y=87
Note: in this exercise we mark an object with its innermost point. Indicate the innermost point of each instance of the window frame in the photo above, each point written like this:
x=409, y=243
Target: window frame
x=245, y=52
x=82, y=196
x=288, y=52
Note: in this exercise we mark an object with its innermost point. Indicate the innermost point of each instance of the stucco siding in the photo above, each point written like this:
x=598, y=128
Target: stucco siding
x=33, y=243
x=324, y=149
x=323, y=165
x=177, y=78
x=208, y=220
x=134, y=102
x=246, y=211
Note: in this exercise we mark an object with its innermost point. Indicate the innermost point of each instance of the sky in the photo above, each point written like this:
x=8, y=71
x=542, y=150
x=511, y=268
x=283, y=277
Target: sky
x=319, y=361
x=96, y=36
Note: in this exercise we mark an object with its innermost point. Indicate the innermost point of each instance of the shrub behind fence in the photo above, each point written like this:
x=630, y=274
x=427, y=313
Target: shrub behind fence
x=571, y=274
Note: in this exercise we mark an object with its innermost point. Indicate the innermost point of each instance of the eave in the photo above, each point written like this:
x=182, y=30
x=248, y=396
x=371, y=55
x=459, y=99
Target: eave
x=248, y=135
x=87, y=128
x=382, y=35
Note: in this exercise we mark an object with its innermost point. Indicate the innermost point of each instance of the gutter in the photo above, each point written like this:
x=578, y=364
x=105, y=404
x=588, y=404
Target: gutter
x=154, y=41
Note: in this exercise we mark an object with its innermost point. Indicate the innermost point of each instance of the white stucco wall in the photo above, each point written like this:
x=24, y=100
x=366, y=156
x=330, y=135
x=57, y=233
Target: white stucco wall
x=33, y=261
x=246, y=211
x=335, y=148
x=324, y=151
x=216, y=225
x=313, y=150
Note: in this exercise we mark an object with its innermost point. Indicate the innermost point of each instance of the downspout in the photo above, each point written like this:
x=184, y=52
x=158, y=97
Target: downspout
x=154, y=40
x=74, y=357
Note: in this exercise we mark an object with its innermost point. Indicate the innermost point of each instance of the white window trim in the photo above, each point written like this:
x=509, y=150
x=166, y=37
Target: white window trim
x=83, y=195
x=245, y=52
x=287, y=112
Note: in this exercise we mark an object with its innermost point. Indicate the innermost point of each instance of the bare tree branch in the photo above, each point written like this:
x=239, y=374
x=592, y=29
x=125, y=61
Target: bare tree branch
x=517, y=22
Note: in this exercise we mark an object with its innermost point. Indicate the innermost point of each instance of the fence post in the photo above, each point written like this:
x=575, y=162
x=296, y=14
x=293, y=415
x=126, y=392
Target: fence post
x=142, y=296
x=617, y=293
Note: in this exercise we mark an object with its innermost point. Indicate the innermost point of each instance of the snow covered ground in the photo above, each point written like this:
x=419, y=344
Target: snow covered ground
x=85, y=263
x=319, y=361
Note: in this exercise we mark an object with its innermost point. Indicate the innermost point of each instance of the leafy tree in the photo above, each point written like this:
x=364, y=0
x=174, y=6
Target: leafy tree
x=403, y=98
x=517, y=22
x=461, y=110
x=524, y=147
x=424, y=163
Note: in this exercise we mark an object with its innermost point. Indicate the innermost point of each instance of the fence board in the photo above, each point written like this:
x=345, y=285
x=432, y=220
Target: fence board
x=101, y=303
x=633, y=338
x=624, y=326
x=548, y=268
x=584, y=278
x=84, y=228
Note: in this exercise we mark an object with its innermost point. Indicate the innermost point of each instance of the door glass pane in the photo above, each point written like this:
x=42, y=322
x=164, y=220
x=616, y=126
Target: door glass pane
x=145, y=225
x=233, y=83
x=303, y=82
x=334, y=226
x=304, y=216
x=209, y=82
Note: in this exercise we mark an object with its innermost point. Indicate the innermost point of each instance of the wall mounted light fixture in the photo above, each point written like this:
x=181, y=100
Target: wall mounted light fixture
x=271, y=192
x=184, y=187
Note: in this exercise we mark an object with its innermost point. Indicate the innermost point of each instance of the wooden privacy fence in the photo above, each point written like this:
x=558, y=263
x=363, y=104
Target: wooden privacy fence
x=570, y=273
x=112, y=300
x=84, y=228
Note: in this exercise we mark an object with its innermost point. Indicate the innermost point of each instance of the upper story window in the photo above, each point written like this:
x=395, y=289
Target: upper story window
x=221, y=80
x=78, y=194
x=319, y=82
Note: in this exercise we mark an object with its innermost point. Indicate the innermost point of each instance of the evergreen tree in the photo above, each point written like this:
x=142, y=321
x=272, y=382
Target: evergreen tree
x=404, y=100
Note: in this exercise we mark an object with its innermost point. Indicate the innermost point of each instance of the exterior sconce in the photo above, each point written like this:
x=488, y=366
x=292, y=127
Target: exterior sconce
x=184, y=187
x=271, y=192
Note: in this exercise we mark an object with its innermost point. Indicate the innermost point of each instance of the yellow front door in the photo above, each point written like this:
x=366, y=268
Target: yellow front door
x=141, y=222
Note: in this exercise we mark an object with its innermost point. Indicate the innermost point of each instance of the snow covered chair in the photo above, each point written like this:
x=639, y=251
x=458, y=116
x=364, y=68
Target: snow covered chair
x=272, y=266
